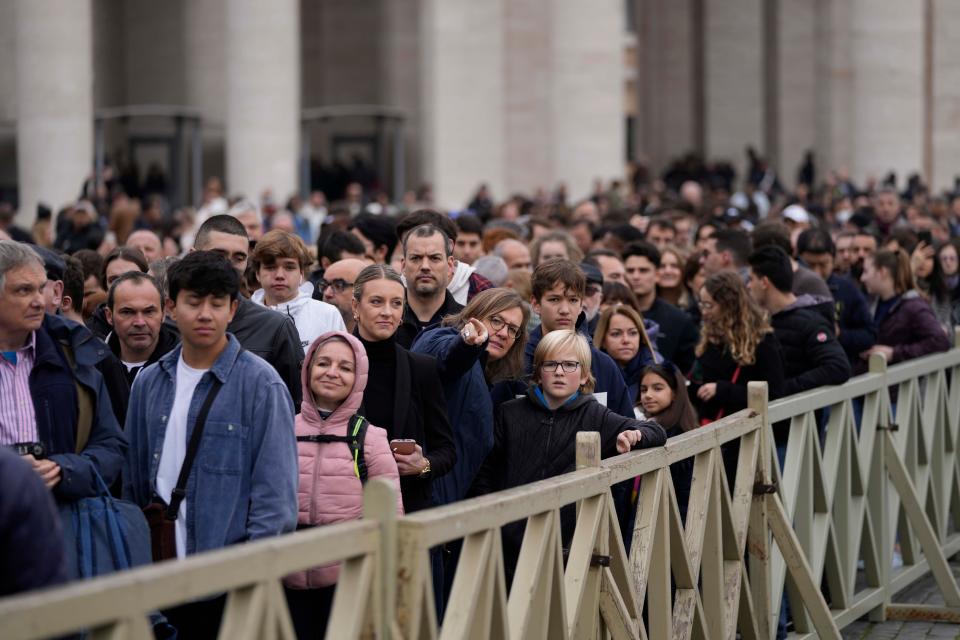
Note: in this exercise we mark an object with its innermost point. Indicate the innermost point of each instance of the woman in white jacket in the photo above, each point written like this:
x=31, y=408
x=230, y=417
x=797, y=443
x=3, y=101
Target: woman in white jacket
x=280, y=260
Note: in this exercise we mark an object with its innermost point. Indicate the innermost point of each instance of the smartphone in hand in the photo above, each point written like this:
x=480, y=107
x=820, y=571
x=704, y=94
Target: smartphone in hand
x=403, y=446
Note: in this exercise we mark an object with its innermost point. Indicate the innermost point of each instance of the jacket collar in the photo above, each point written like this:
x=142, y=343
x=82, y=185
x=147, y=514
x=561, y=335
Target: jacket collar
x=221, y=368
x=449, y=307
x=167, y=339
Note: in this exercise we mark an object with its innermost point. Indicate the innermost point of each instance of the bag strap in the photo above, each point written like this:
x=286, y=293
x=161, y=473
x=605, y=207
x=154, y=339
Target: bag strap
x=85, y=400
x=733, y=380
x=359, y=433
x=356, y=434
x=180, y=491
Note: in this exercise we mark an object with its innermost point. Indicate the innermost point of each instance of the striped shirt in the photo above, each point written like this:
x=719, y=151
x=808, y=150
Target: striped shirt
x=18, y=420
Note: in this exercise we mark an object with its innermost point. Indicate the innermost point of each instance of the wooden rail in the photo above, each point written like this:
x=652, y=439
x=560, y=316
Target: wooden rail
x=831, y=518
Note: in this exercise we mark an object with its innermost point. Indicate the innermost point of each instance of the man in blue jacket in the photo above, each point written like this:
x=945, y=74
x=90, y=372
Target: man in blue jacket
x=54, y=406
x=242, y=484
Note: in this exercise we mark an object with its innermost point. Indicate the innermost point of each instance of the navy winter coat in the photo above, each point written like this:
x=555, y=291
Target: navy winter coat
x=469, y=406
x=55, y=403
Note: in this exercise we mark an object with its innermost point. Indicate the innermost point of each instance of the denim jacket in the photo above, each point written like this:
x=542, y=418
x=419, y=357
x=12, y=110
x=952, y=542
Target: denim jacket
x=243, y=484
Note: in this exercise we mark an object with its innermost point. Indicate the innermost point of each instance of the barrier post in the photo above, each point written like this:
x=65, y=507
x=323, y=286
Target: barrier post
x=758, y=536
x=877, y=489
x=380, y=504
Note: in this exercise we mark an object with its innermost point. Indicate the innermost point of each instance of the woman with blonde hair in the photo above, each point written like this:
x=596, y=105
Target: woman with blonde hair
x=629, y=339
x=670, y=282
x=737, y=346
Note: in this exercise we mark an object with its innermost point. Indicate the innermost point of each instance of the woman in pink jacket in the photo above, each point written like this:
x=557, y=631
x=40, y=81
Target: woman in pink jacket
x=331, y=475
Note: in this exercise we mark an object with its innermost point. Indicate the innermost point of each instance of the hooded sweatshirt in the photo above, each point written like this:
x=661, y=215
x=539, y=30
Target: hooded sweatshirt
x=312, y=317
x=330, y=490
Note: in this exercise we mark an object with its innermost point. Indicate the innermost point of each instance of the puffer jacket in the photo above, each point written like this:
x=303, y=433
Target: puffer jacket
x=329, y=489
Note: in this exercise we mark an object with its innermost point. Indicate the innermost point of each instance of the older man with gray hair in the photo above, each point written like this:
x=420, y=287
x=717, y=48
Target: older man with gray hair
x=54, y=407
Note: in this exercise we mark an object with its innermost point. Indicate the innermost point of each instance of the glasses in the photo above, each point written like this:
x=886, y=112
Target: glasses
x=497, y=324
x=706, y=306
x=592, y=290
x=338, y=284
x=568, y=366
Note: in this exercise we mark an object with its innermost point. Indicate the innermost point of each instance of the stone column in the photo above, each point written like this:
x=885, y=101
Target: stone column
x=946, y=93
x=733, y=79
x=834, y=69
x=54, y=88
x=263, y=97
x=462, y=106
x=796, y=87
x=667, y=85
x=589, y=132
x=528, y=95
x=888, y=91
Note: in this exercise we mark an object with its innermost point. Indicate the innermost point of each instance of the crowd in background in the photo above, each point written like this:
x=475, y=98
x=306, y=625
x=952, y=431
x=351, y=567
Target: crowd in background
x=240, y=369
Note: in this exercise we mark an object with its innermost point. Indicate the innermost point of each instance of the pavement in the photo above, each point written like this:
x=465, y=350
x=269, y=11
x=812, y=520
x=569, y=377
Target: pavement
x=923, y=591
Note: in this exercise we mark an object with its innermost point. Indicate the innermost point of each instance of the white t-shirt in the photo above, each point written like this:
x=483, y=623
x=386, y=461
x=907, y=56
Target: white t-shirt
x=175, y=446
x=133, y=365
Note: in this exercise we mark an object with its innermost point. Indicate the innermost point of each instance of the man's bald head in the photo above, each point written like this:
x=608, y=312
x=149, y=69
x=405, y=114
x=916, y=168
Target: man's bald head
x=148, y=242
x=339, y=278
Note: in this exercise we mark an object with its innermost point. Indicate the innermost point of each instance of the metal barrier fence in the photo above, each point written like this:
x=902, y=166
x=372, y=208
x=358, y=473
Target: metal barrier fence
x=827, y=524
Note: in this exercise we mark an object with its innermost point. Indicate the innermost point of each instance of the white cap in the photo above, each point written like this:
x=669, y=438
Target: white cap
x=796, y=213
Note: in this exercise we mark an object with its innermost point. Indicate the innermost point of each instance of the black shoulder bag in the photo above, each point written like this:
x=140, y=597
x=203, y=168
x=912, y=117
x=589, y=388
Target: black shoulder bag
x=162, y=517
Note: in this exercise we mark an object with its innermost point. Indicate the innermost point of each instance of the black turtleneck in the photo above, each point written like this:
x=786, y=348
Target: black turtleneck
x=378, y=397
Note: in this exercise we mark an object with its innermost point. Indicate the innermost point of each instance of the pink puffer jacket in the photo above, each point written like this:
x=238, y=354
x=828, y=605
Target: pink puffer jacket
x=329, y=488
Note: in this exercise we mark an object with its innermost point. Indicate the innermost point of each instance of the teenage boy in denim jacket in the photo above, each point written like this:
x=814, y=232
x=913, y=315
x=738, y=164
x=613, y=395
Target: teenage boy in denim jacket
x=243, y=482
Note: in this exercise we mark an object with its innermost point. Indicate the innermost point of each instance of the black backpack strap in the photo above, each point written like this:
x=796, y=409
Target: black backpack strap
x=180, y=491
x=356, y=434
x=357, y=430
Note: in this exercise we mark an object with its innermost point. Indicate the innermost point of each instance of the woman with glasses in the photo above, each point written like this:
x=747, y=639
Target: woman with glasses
x=535, y=436
x=481, y=345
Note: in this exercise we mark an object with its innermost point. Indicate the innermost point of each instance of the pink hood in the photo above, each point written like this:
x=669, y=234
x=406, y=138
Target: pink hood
x=329, y=490
x=308, y=408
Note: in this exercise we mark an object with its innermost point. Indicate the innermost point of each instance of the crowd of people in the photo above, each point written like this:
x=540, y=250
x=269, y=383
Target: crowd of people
x=240, y=371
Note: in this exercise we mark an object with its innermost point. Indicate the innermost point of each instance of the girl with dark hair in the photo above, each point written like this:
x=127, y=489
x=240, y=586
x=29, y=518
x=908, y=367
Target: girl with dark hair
x=931, y=282
x=403, y=394
x=663, y=397
x=906, y=325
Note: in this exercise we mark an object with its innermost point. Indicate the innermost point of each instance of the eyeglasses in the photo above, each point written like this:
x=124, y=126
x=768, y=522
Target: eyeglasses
x=497, y=324
x=568, y=366
x=338, y=284
x=592, y=290
x=706, y=306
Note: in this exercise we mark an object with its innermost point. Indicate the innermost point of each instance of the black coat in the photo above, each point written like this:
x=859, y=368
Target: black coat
x=272, y=336
x=678, y=335
x=812, y=356
x=411, y=327
x=717, y=365
x=167, y=339
x=857, y=331
x=419, y=412
x=532, y=442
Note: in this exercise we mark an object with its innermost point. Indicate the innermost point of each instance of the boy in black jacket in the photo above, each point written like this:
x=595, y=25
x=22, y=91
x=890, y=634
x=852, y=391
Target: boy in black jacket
x=535, y=436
